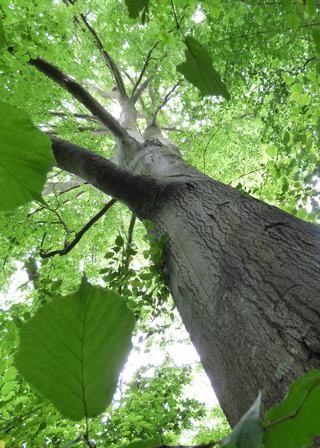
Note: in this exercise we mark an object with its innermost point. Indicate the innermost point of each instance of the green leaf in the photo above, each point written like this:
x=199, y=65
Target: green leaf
x=271, y=150
x=295, y=421
x=119, y=241
x=135, y=7
x=293, y=20
x=74, y=348
x=25, y=158
x=304, y=99
x=152, y=443
x=198, y=70
x=248, y=432
x=3, y=42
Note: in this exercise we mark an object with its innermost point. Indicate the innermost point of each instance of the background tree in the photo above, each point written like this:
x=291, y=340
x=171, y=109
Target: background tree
x=247, y=267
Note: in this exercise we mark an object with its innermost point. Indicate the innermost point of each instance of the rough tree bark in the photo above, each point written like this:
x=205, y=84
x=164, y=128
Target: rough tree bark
x=244, y=275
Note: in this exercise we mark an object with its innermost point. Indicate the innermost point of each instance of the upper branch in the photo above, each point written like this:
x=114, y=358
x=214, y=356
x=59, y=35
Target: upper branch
x=133, y=190
x=82, y=95
x=108, y=59
x=144, y=68
x=165, y=100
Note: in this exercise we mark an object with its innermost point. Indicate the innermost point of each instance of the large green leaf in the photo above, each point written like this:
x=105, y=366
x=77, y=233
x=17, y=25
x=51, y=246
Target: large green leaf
x=248, y=432
x=151, y=443
x=74, y=348
x=25, y=158
x=198, y=70
x=135, y=7
x=294, y=422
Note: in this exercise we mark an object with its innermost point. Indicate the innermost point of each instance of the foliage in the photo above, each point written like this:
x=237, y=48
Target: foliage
x=264, y=141
x=26, y=158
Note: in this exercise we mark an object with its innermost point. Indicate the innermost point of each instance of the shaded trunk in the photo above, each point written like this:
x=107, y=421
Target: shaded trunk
x=246, y=280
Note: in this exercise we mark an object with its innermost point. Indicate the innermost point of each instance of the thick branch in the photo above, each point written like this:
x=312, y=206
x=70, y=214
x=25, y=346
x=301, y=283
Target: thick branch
x=81, y=95
x=79, y=234
x=133, y=190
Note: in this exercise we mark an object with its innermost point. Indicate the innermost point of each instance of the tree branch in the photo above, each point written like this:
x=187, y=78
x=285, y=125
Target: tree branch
x=79, y=234
x=132, y=189
x=82, y=95
x=108, y=59
x=140, y=89
x=106, y=56
x=164, y=102
x=144, y=68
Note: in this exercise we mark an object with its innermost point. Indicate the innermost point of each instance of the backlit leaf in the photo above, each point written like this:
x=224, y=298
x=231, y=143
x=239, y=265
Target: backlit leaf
x=25, y=158
x=198, y=70
x=74, y=348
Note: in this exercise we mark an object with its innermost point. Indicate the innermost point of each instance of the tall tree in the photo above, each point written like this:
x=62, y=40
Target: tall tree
x=244, y=275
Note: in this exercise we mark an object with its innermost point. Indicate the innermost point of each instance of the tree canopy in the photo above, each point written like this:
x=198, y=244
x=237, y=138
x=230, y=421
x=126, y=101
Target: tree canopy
x=235, y=85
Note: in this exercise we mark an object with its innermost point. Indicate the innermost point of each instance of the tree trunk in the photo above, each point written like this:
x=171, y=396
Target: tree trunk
x=244, y=275
x=246, y=280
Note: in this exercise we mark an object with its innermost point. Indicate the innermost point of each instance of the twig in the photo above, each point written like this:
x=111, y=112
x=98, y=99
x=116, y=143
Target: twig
x=164, y=102
x=17, y=418
x=245, y=174
x=129, y=241
x=204, y=154
x=80, y=234
x=176, y=19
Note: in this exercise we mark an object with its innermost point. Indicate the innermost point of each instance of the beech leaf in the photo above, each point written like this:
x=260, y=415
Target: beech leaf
x=25, y=158
x=3, y=42
x=295, y=421
x=73, y=350
x=135, y=7
x=248, y=432
x=198, y=70
x=151, y=443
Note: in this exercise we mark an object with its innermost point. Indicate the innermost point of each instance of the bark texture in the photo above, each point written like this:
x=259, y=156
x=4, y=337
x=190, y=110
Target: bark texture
x=246, y=280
